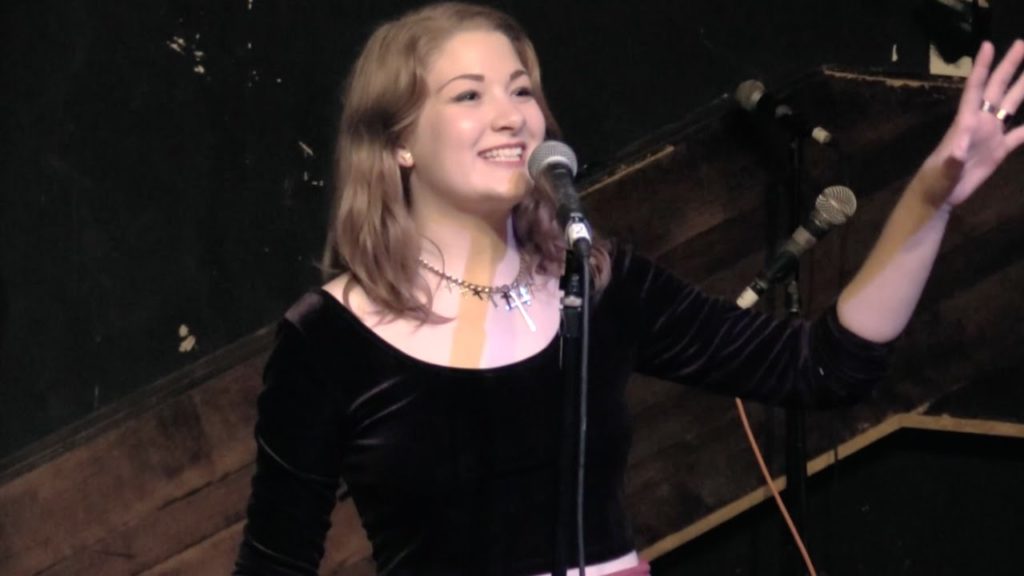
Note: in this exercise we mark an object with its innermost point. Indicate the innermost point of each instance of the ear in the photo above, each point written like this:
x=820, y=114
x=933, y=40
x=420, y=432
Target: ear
x=404, y=157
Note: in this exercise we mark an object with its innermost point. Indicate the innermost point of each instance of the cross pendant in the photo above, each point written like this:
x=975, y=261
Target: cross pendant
x=512, y=300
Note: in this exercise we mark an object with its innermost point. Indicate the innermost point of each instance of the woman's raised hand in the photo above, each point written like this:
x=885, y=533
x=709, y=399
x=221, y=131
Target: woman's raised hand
x=985, y=130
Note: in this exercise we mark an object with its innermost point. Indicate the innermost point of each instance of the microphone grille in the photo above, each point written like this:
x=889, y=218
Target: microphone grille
x=836, y=204
x=749, y=93
x=551, y=152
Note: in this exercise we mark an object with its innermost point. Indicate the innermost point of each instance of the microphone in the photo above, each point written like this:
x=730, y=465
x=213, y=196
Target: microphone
x=832, y=208
x=555, y=163
x=754, y=98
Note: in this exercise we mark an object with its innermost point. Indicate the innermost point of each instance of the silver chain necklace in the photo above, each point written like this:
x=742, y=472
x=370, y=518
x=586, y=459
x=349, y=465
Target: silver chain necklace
x=516, y=295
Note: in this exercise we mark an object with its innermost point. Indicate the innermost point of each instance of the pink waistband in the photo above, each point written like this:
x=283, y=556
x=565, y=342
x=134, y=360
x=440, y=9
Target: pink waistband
x=641, y=569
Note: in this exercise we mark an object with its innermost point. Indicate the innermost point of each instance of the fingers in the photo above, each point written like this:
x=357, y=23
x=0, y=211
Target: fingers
x=975, y=84
x=1012, y=99
x=1015, y=138
x=995, y=89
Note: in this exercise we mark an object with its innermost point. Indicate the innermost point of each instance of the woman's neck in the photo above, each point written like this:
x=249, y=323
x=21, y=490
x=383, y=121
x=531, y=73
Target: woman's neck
x=478, y=250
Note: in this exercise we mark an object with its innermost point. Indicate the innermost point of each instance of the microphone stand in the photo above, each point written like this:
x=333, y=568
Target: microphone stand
x=796, y=418
x=575, y=341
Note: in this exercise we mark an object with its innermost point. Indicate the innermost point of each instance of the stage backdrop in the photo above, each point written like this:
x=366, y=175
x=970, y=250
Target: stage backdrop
x=166, y=162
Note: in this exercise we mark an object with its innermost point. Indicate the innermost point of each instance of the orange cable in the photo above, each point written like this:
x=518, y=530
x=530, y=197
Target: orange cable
x=771, y=486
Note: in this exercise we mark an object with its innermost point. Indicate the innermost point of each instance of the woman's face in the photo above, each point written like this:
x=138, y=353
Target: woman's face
x=477, y=127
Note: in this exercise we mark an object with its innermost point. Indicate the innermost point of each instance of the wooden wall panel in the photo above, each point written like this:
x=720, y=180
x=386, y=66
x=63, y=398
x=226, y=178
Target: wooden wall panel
x=159, y=487
x=161, y=473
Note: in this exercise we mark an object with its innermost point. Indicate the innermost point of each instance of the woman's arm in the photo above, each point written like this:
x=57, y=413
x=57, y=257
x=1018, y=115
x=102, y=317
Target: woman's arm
x=299, y=442
x=878, y=302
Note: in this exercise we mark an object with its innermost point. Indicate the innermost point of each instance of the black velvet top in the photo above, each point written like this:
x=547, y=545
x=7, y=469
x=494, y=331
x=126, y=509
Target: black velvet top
x=453, y=470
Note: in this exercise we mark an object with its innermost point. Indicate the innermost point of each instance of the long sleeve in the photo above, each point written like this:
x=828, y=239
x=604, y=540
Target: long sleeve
x=688, y=337
x=299, y=435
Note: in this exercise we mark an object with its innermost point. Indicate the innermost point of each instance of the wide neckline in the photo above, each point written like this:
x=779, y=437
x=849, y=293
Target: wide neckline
x=397, y=352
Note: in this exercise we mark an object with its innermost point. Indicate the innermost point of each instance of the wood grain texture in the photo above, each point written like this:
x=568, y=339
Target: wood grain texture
x=160, y=486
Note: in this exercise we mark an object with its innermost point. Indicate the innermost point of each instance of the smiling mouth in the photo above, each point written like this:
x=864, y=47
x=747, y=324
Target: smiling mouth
x=504, y=154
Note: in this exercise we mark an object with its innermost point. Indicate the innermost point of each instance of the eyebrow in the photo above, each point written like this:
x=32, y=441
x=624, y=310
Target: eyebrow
x=480, y=78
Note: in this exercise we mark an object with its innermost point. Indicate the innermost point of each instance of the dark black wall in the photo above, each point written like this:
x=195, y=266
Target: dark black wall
x=164, y=160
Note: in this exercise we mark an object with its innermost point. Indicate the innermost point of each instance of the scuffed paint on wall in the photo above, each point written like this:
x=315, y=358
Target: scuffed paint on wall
x=188, y=340
x=939, y=67
x=181, y=46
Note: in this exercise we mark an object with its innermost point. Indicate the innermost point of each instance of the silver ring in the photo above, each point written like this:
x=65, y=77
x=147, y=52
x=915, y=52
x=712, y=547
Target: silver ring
x=1001, y=114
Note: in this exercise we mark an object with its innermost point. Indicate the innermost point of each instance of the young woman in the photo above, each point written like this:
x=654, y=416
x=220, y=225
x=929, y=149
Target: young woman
x=426, y=371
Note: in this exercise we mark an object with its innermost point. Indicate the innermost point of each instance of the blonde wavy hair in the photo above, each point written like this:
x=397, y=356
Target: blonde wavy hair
x=371, y=233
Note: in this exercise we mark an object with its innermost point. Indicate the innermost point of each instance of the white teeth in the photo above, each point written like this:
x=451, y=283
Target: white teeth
x=511, y=153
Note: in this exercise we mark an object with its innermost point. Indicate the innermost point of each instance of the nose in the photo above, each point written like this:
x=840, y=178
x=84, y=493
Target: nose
x=507, y=116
